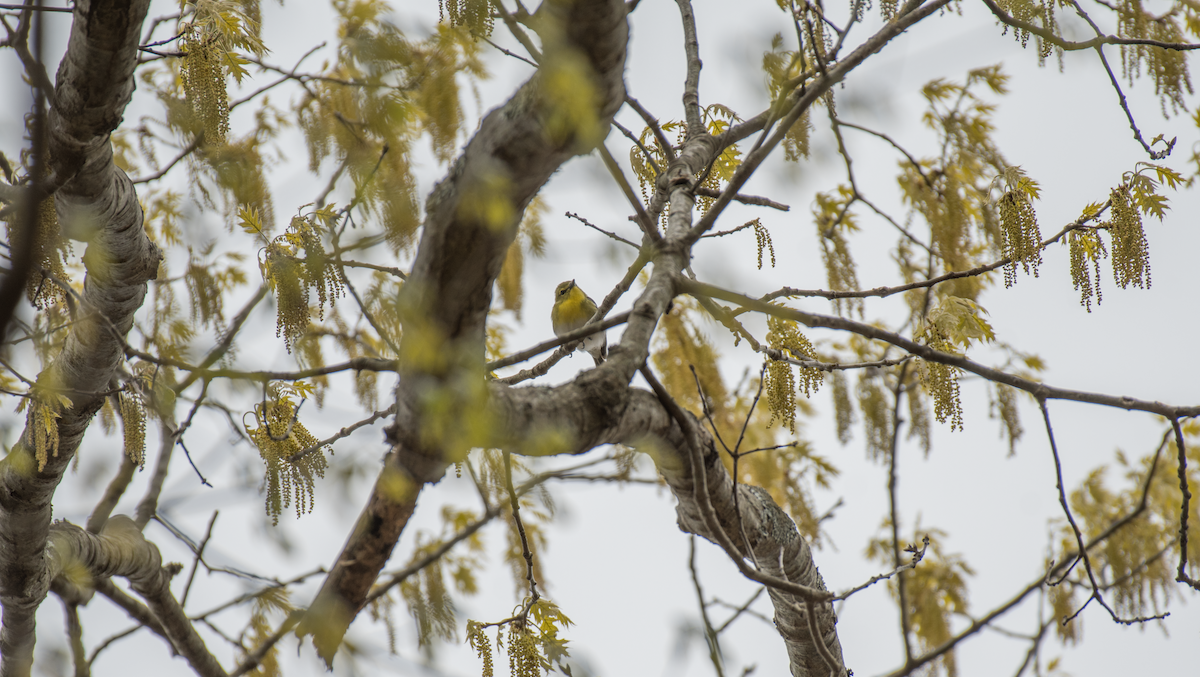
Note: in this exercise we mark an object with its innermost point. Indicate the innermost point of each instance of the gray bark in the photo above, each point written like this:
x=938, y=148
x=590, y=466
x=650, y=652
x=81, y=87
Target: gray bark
x=96, y=200
x=449, y=291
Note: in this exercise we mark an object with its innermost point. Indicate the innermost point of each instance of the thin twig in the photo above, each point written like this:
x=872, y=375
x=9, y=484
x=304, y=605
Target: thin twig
x=515, y=507
x=1038, y=390
x=691, y=83
x=1186, y=493
x=564, y=340
x=198, y=556
x=344, y=432
x=894, y=515
x=652, y=124
x=710, y=634
x=917, y=556
x=643, y=219
x=1087, y=561
x=593, y=226
x=739, y=610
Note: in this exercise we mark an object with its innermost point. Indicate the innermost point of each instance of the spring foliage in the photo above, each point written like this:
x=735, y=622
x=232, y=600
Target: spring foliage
x=385, y=106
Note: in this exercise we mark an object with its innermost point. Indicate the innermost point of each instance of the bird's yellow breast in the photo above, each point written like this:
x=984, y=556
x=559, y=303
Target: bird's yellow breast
x=571, y=310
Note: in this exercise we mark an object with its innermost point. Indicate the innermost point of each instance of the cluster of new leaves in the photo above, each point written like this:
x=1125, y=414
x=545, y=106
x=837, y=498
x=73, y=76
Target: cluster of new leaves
x=531, y=240
x=648, y=158
x=271, y=601
x=1021, y=238
x=717, y=119
x=952, y=193
x=380, y=95
x=1135, y=565
x=1137, y=195
x=294, y=458
x=834, y=221
x=785, y=71
x=208, y=42
x=935, y=591
x=194, y=94
x=294, y=275
x=534, y=646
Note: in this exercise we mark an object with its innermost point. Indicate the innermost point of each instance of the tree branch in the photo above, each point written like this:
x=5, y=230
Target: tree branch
x=1038, y=390
x=95, y=82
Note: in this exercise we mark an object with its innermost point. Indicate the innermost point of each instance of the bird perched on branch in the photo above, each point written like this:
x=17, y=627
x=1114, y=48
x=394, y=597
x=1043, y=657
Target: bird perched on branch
x=572, y=309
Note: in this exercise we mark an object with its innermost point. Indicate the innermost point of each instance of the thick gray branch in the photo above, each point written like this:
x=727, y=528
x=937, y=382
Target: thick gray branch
x=471, y=219
x=587, y=413
x=121, y=550
x=96, y=202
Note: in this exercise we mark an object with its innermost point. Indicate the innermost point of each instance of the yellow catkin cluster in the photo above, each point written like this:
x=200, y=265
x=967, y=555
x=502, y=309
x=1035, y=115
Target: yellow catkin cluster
x=1038, y=14
x=833, y=219
x=319, y=272
x=795, y=142
x=877, y=417
x=780, y=386
x=785, y=335
x=475, y=15
x=133, y=423
x=941, y=380
x=1005, y=408
x=1131, y=263
x=279, y=437
x=843, y=412
x=48, y=253
x=918, y=419
x=887, y=9
x=203, y=77
x=524, y=659
x=204, y=293
x=1086, y=248
x=478, y=640
x=763, y=239
x=43, y=428
x=1021, y=239
x=780, y=382
x=292, y=313
x=430, y=605
x=1168, y=67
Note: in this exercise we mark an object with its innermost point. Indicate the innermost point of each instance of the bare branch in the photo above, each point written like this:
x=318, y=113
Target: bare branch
x=710, y=633
x=1181, y=448
x=593, y=226
x=691, y=85
x=1038, y=390
x=652, y=123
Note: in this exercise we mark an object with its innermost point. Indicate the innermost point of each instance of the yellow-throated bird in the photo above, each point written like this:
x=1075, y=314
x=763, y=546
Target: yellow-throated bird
x=572, y=309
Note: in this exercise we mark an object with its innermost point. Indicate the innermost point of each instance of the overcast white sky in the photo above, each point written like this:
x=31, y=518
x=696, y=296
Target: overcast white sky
x=617, y=563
